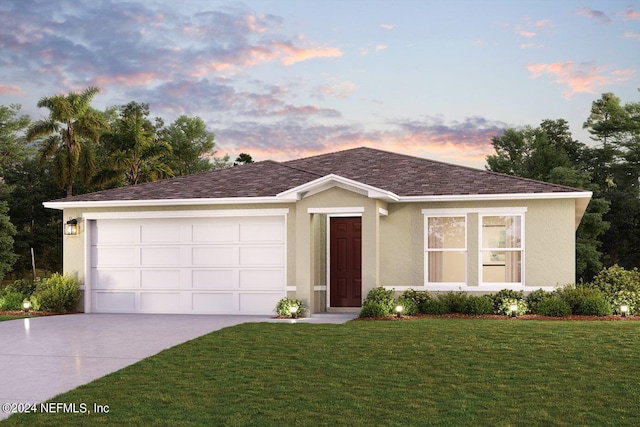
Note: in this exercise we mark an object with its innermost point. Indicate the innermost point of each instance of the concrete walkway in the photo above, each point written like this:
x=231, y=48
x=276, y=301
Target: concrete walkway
x=42, y=357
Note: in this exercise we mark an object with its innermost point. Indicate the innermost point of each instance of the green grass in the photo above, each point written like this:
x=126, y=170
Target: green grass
x=445, y=372
x=4, y=317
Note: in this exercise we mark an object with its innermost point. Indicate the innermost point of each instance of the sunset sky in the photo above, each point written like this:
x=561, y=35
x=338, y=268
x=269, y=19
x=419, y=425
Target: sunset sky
x=282, y=79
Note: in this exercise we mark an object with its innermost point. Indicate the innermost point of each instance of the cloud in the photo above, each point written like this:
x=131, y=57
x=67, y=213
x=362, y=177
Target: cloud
x=597, y=15
x=527, y=34
x=338, y=90
x=631, y=35
x=296, y=54
x=580, y=78
x=388, y=26
x=11, y=90
x=631, y=15
x=380, y=47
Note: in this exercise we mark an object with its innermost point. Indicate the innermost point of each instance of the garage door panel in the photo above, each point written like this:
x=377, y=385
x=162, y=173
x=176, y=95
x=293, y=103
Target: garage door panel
x=160, y=279
x=214, y=302
x=157, y=256
x=214, y=279
x=226, y=265
x=115, y=301
x=114, y=279
x=114, y=256
x=159, y=234
x=258, y=303
x=160, y=302
x=261, y=255
x=214, y=256
x=261, y=279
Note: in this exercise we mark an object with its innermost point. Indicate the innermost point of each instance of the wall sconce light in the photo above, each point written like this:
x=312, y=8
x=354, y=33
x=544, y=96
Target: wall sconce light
x=71, y=227
x=623, y=310
x=398, y=311
x=294, y=311
x=26, y=306
x=514, y=310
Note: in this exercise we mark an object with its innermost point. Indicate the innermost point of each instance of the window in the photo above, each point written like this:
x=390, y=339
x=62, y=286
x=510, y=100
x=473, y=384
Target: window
x=501, y=249
x=446, y=249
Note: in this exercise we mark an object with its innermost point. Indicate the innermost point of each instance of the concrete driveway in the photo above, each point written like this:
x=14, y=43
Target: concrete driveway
x=42, y=357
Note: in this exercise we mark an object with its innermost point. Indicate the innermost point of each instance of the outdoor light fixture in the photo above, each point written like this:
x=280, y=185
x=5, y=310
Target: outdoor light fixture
x=514, y=310
x=71, y=227
x=26, y=306
x=623, y=310
x=398, y=311
x=294, y=311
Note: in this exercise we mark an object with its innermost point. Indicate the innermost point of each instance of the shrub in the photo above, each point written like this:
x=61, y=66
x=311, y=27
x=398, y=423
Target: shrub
x=628, y=298
x=477, y=305
x=585, y=300
x=24, y=286
x=378, y=300
x=409, y=306
x=283, y=307
x=12, y=301
x=554, y=306
x=58, y=293
x=504, y=296
x=433, y=306
x=418, y=297
x=507, y=303
x=534, y=298
x=615, y=279
x=454, y=301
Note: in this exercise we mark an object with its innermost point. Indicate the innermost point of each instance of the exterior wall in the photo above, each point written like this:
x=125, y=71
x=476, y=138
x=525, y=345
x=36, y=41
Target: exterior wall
x=549, y=252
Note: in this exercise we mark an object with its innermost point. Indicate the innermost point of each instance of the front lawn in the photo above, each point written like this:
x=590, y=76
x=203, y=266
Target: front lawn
x=4, y=316
x=452, y=372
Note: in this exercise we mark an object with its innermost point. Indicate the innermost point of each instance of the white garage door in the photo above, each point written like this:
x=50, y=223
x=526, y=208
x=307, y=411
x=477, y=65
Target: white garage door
x=228, y=265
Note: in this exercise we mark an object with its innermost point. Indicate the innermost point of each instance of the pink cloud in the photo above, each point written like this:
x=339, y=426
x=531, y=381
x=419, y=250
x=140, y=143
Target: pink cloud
x=542, y=23
x=388, y=26
x=381, y=47
x=11, y=90
x=631, y=35
x=292, y=54
x=631, y=15
x=580, y=78
x=527, y=34
x=135, y=79
x=338, y=90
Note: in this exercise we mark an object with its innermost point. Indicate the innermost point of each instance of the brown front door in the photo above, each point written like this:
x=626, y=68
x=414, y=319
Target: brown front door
x=345, y=271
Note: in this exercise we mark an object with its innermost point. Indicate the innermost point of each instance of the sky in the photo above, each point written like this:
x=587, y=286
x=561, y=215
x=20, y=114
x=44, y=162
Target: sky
x=284, y=79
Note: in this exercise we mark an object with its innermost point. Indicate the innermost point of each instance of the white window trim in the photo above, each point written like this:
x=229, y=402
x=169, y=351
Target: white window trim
x=449, y=214
x=503, y=285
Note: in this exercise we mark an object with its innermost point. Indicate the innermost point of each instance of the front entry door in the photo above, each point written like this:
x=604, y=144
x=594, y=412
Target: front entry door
x=345, y=272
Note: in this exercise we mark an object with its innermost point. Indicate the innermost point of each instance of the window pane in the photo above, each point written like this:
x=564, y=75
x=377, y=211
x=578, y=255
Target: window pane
x=447, y=266
x=501, y=232
x=446, y=232
x=505, y=266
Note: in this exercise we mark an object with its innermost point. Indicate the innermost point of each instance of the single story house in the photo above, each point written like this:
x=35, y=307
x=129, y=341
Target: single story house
x=323, y=229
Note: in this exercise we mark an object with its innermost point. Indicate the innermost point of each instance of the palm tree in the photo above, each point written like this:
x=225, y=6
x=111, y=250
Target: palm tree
x=68, y=132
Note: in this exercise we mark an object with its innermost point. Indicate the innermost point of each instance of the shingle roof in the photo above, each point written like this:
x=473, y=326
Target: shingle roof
x=400, y=174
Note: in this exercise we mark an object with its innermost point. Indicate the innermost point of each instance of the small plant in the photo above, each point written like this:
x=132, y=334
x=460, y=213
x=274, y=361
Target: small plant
x=59, y=293
x=506, y=305
x=477, y=305
x=628, y=298
x=554, y=306
x=379, y=301
x=585, y=300
x=418, y=297
x=454, y=301
x=12, y=301
x=505, y=298
x=283, y=307
x=409, y=306
x=433, y=306
x=534, y=298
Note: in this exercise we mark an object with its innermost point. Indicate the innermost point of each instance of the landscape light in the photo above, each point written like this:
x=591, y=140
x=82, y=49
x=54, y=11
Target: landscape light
x=26, y=306
x=398, y=311
x=514, y=310
x=623, y=310
x=294, y=311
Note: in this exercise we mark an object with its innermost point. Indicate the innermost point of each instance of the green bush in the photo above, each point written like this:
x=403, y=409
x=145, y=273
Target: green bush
x=283, y=307
x=594, y=305
x=374, y=309
x=507, y=303
x=418, y=297
x=585, y=300
x=434, y=306
x=505, y=298
x=628, y=298
x=615, y=279
x=454, y=301
x=12, y=301
x=379, y=300
x=554, y=306
x=24, y=286
x=58, y=293
x=477, y=305
x=534, y=298
x=409, y=306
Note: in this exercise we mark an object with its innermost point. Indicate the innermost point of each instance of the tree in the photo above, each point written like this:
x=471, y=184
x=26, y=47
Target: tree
x=549, y=153
x=130, y=151
x=192, y=145
x=243, y=159
x=71, y=121
x=7, y=231
x=13, y=145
